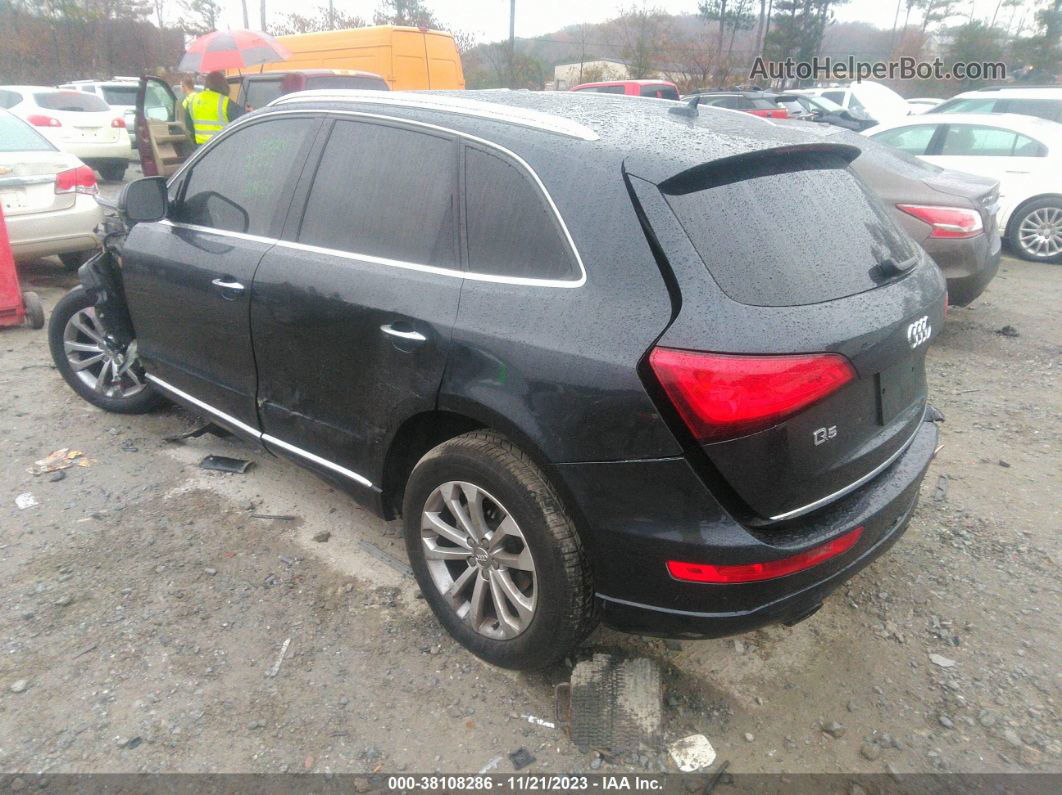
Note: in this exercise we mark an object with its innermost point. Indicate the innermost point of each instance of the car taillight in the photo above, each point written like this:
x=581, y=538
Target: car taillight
x=40, y=120
x=947, y=222
x=118, y=122
x=729, y=574
x=720, y=396
x=76, y=180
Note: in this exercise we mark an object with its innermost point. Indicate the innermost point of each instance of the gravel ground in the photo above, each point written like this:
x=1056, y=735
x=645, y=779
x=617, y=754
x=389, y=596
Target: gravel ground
x=152, y=621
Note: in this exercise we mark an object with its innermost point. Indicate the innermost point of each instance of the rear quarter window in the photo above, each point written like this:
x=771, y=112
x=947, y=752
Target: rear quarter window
x=17, y=136
x=786, y=231
x=76, y=101
x=660, y=92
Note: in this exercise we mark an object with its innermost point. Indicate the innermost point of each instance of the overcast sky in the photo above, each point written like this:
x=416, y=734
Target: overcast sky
x=488, y=20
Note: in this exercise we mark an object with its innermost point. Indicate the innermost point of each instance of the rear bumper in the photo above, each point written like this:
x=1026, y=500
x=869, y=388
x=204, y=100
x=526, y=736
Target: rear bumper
x=56, y=232
x=968, y=265
x=642, y=514
x=99, y=150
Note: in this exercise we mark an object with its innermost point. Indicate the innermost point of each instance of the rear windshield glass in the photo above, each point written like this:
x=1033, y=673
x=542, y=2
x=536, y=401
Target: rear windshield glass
x=17, y=136
x=346, y=81
x=660, y=92
x=77, y=101
x=119, y=95
x=786, y=230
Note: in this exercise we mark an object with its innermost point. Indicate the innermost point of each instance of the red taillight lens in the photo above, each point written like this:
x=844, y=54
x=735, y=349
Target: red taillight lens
x=40, y=120
x=753, y=572
x=79, y=180
x=118, y=122
x=721, y=396
x=947, y=222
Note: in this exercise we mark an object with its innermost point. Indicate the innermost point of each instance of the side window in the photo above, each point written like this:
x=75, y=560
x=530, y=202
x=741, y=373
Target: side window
x=260, y=93
x=604, y=89
x=384, y=191
x=1050, y=109
x=511, y=230
x=244, y=182
x=968, y=105
x=8, y=99
x=913, y=140
x=972, y=140
x=835, y=96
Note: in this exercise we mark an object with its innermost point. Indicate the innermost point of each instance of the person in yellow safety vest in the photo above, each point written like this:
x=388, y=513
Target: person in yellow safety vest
x=211, y=109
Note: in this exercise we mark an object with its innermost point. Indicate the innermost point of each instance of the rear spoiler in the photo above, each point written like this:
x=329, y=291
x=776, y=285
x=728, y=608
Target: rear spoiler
x=760, y=163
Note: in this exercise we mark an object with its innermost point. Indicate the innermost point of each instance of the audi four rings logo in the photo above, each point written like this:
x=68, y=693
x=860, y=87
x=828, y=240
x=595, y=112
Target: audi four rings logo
x=919, y=331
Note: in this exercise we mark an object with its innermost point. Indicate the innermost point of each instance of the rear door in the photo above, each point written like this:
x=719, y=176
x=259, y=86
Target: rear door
x=353, y=309
x=188, y=278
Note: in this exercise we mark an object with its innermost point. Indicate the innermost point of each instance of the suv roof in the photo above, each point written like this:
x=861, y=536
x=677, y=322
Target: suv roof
x=1034, y=91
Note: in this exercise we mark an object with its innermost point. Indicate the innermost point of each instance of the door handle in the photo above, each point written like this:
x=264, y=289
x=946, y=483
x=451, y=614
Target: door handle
x=227, y=283
x=402, y=334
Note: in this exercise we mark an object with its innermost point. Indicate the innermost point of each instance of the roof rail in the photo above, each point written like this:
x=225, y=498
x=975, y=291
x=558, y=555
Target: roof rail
x=445, y=103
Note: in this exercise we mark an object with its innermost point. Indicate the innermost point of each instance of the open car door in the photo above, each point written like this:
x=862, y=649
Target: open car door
x=162, y=136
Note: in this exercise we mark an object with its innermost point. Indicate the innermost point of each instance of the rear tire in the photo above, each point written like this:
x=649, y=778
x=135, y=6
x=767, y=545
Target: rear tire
x=97, y=370
x=74, y=260
x=113, y=172
x=34, y=310
x=520, y=547
x=1035, y=232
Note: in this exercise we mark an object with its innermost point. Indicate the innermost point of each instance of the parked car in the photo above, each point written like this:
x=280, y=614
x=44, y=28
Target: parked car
x=1045, y=102
x=1023, y=152
x=641, y=408
x=47, y=196
x=76, y=122
x=951, y=214
x=660, y=89
x=918, y=105
x=875, y=100
x=118, y=92
x=253, y=91
x=751, y=102
x=819, y=109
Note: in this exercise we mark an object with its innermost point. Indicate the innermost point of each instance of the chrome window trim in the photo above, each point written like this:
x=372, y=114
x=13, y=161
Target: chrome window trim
x=464, y=106
x=855, y=484
x=258, y=435
x=18, y=182
x=524, y=281
x=223, y=232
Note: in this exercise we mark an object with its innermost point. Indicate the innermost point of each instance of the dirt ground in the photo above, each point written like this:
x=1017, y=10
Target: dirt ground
x=145, y=604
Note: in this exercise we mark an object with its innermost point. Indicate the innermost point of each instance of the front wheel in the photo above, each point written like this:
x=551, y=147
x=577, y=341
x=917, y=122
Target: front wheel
x=1036, y=231
x=496, y=556
x=105, y=374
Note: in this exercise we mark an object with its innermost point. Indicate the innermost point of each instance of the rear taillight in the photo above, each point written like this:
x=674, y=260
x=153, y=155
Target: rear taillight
x=730, y=574
x=947, y=222
x=40, y=120
x=720, y=396
x=118, y=122
x=76, y=180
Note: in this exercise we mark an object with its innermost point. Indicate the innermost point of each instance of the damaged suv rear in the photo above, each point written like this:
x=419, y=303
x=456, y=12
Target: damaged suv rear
x=564, y=347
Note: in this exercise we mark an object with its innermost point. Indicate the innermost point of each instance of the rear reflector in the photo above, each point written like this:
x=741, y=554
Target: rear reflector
x=720, y=396
x=753, y=572
x=947, y=222
x=79, y=180
x=40, y=120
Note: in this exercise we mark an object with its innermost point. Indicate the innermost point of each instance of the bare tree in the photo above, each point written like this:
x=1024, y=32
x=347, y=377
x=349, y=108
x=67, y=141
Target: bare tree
x=642, y=33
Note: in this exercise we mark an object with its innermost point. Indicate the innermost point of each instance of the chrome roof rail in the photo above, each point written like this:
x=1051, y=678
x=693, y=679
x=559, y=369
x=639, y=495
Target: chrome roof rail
x=507, y=114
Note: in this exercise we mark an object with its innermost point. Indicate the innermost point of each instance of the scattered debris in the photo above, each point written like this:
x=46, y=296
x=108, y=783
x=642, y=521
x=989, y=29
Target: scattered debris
x=384, y=557
x=282, y=517
x=718, y=777
x=833, y=728
x=870, y=751
x=692, y=753
x=942, y=661
x=64, y=458
x=25, y=500
x=19, y=686
x=195, y=433
x=280, y=658
x=210, y=572
x=221, y=463
x=1008, y=331
x=613, y=704
x=55, y=477
x=133, y=743
x=322, y=537
x=1004, y=464
x=749, y=737
x=85, y=651
x=941, y=491
x=492, y=764
x=521, y=758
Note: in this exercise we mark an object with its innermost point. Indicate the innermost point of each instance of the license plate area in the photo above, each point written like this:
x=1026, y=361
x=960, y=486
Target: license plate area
x=899, y=386
x=13, y=199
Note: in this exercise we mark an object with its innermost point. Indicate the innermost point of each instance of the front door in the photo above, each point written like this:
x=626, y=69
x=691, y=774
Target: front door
x=188, y=277
x=352, y=312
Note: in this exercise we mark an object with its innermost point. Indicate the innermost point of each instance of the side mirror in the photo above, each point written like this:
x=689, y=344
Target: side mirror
x=144, y=200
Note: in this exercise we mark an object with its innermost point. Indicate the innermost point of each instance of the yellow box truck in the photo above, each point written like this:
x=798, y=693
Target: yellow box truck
x=407, y=58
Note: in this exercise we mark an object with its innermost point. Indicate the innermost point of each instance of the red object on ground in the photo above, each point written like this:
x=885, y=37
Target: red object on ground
x=12, y=310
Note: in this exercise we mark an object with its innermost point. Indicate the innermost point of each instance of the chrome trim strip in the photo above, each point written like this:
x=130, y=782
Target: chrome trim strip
x=855, y=485
x=221, y=415
x=479, y=277
x=523, y=117
x=18, y=182
x=256, y=434
x=316, y=459
x=269, y=241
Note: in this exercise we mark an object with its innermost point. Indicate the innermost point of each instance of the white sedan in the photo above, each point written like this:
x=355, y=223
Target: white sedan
x=48, y=196
x=1023, y=152
x=79, y=123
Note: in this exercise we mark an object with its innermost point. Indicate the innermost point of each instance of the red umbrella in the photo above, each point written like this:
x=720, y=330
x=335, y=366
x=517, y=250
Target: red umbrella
x=231, y=49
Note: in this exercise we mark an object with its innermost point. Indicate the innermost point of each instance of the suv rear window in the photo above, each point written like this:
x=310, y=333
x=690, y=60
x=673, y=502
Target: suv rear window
x=77, y=101
x=120, y=95
x=785, y=230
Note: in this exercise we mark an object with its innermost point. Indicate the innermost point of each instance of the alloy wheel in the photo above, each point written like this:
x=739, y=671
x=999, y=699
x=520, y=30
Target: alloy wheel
x=103, y=366
x=1040, y=233
x=479, y=560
